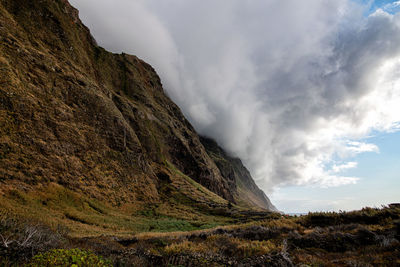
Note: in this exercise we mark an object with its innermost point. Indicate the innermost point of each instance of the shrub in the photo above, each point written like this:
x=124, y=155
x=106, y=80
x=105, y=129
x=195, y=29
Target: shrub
x=186, y=247
x=224, y=245
x=369, y=216
x=20, y=239
x=71, y=257
x=252, y=248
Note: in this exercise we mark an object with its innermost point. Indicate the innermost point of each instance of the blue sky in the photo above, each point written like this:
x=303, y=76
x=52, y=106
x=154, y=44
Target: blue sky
x=389, y=5
x=379, y=183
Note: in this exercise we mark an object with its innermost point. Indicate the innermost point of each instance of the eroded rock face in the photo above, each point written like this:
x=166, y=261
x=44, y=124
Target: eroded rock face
x=239, y=179
x=92, y=121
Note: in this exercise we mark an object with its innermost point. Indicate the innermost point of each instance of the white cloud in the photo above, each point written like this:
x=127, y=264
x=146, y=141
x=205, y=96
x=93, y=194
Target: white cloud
x=358, y=147
x=285, y=86
x=392, y=7
x=343, y=167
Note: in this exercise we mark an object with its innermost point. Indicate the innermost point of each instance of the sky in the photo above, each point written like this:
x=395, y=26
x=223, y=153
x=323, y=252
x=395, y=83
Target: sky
x=307, y=95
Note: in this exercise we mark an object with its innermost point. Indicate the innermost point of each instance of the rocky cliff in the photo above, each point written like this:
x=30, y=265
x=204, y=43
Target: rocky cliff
x=244, y=189
x=76, y=118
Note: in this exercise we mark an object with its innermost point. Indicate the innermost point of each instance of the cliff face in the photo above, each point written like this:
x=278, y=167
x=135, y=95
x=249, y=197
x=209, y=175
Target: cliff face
x=246, y=192
x=79, y=117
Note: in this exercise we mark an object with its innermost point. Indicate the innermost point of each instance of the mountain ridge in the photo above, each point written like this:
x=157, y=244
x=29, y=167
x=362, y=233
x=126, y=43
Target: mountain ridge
x=233, y=170
x=78, y=119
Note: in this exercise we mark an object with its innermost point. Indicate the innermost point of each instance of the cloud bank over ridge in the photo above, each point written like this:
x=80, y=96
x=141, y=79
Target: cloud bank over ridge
x=291, y=89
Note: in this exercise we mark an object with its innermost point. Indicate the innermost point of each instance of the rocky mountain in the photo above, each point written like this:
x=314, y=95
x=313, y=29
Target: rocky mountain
x=239, y=178
x=86, y=133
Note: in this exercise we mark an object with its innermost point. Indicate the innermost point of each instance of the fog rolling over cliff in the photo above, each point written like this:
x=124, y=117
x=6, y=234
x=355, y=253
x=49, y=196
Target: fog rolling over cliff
x=81, y=123
x=292, y=89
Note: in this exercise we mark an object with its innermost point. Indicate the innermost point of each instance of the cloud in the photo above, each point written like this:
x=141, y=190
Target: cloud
x=343, y=167
x=289, y=88
x=392, y=7
x=358, y=147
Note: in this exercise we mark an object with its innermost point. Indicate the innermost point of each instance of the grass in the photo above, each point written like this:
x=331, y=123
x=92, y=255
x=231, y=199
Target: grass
x=221, y=244
x=359, y=237
x=275, y=239
x=71, y=257
x=56, y=205
x=193, y=189
x=183, y=206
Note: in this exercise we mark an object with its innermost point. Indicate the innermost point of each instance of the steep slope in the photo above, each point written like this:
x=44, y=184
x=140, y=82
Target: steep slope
x=80, y=123
x=246, y=192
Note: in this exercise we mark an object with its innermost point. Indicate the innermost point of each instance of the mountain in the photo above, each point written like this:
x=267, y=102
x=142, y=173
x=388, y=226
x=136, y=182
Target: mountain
x=89, y=139
x=245, y=190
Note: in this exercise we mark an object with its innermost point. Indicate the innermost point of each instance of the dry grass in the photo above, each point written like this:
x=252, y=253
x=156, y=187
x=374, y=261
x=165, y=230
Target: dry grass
x=281, y=240
x=221, y=244
x=193, y=189
x=55, y=205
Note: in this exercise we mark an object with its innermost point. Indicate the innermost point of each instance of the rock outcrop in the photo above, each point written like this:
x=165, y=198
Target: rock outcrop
x=246, y=192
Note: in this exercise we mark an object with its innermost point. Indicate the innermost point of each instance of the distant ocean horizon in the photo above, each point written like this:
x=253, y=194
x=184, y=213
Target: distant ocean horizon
x=297, y=213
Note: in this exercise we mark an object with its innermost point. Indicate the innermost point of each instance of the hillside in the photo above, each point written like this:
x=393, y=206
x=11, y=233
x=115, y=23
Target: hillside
x=245, y=189
x=90, y=140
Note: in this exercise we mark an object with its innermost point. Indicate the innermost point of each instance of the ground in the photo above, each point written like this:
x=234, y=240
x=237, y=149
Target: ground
x=369, y=237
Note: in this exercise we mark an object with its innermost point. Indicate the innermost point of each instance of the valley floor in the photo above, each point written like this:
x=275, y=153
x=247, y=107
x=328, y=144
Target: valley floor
x=369, y=237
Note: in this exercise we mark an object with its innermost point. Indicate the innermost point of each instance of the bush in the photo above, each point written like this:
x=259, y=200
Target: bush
x=369, y=216
x=20, y=239
x=71, y=257
x=223, y=245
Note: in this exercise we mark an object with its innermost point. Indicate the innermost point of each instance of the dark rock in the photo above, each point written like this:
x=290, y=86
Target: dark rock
x=127, y=242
